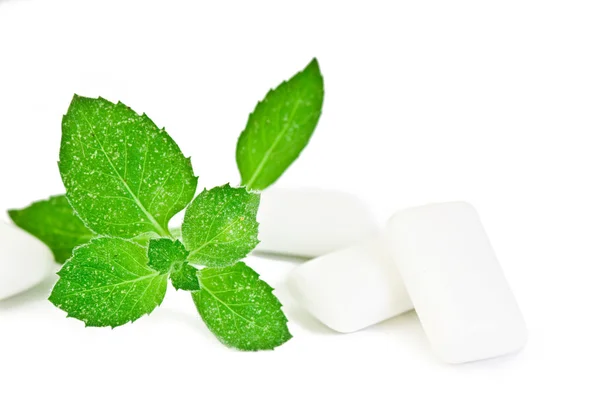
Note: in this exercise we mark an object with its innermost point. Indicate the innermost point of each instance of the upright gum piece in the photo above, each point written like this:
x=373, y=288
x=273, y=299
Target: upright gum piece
x=459, y=291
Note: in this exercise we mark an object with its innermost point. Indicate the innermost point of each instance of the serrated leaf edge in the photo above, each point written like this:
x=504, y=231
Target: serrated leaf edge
x=220, y=338
x=80, y=247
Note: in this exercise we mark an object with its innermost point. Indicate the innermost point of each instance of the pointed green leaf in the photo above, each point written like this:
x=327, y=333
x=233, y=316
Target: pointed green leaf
x=279, y=128
x=107, y=283
x=240, y=309
x=170, y=257
x=124, y=176
x=54, y=222
x=220, y=227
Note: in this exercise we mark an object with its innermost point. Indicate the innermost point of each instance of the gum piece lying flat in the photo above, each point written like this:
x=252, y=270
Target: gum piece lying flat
x=24, y=261
x=311, y=222
x=351, y=289
x=455, y=282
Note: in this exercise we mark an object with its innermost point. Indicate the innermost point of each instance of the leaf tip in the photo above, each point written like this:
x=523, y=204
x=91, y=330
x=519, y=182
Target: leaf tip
x=74, y=101
x=12, y=213
x=314, y=63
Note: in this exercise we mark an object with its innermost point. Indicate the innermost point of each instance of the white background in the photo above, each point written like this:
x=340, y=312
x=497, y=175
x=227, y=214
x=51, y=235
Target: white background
x=496, y=103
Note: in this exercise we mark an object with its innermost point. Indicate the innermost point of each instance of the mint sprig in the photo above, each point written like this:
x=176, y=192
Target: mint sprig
x=125, y=179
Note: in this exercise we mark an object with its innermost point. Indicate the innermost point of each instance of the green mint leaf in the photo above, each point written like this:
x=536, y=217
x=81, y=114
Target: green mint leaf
x=240, y=309
x=165, y=254
x=107, y=283
x=185, y=277
x=124, y=176
x=170, y=257
x=54, y=222
x=279, y=128
x=220, y=227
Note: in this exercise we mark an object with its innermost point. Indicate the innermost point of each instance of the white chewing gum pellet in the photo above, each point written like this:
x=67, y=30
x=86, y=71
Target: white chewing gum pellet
x=454, y=280
x=24, y=261
x=311, y=222
x=351, y=289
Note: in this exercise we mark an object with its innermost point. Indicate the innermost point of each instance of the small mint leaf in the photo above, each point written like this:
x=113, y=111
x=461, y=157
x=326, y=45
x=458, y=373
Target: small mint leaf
x=185, y=277
x=170, y=257
x=279, y=128
x=240, y=309
x=165, y=254
x=54, y=222
x=107, y=283
x=220, y=227
x=124, y=176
